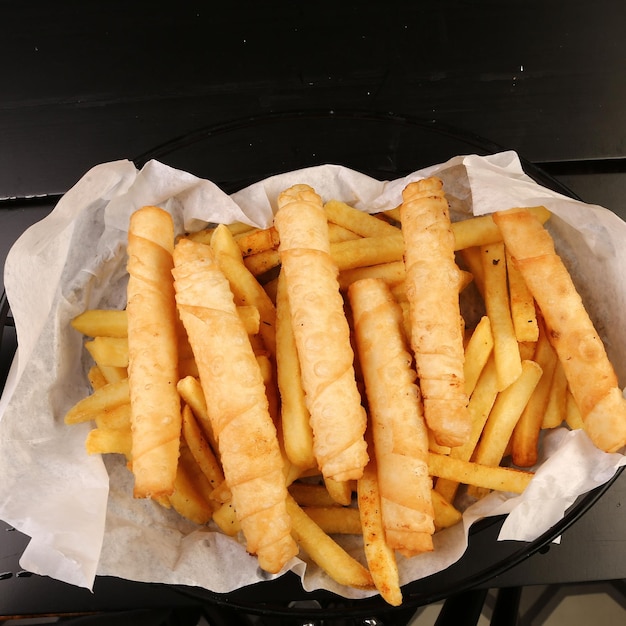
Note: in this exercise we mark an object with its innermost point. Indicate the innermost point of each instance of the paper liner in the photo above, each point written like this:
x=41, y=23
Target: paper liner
x=79, y=509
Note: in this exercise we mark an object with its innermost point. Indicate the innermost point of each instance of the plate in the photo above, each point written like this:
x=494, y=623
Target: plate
x=385, y=146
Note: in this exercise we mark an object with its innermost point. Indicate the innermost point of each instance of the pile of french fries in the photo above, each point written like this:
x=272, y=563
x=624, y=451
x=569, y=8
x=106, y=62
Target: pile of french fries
x=514, y=378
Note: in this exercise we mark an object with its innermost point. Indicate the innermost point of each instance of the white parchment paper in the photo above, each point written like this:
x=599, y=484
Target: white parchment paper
x=78, y=509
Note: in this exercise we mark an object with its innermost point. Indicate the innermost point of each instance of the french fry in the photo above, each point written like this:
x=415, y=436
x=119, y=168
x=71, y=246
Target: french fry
x=360, y=222
x=226, y=519
x=392, y=273
x=115, y=418
x=473, y=259
x=339, y=491
x=556, y=408
x=525, y=440
x=335, y=520
x=572, y=416
x=477, y=352
x=104, y=398
x=111, y=351
x=101, y=323
x=191, y=392
x=262, y=262
x=96, y=378
x=311, y=495
x=523, y=311
x=506, y=350
x=257, y=240
x=487, y=477
x=446, y=515
x=367, y=251
x=109, y=441
x=325, y=552
x=381, y=559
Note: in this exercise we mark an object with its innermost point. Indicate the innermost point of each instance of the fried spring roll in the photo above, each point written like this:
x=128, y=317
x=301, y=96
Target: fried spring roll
x=590, y=375
x=322, y=335
x=152, y=353
x=432, y=287
x=398, y=428
x=237, y=405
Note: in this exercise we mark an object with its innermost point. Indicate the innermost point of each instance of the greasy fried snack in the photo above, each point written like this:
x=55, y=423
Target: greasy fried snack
x=397, y=422
x=432, y=286
x=590, y=375
x=322, y=335
x=237, y=407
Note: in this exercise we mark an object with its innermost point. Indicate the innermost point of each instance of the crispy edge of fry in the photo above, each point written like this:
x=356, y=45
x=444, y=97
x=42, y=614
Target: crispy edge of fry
x=381, y=559
x=325, y=552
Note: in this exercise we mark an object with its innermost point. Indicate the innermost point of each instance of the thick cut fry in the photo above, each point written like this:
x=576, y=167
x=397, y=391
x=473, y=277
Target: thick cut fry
x=311, y=495
x=237, y=405
x=190, y=391
x=482, y=476
x=572, y=416
x=505, y=347
x=523, y=311
x=109, y=441
x=335, y=520
x=589, y=373
x=556, y=408
x=262, y=262
x=446, y=515
x=257, y=240
x=104, y=398
x=152, y=353
x=361, y=223
x=96, y=377
x=380, y=556
x=477, y=352
x=339, y=491
x=296, y=429
x=432, y=285
x=367, y=251
x=117, y=418
x=525, y=440
x=505, y=414
x=111, y=351
x=392, y=273
x=399, y=433
x=101, y=323
x=327, y=553
x=322, y=335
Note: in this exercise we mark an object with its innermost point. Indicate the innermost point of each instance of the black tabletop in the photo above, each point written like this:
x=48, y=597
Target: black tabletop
x=85, y=83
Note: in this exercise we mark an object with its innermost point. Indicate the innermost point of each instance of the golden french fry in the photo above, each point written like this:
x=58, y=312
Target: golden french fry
x=505, y=347
x=327, y=553
x=204, y=235
x=109, y=441
x=104, y=398
x=360, y=222
x=226, y=519
x=115, y=418
x=473, y=259
x=381, y=559
x=96, y=378
x=392, y=273
x=525, y=440
x=367, y=251
x=556, y=408
x=338, y=233
x=482, y=476
x=257, y=240
x=523, y=311
x=339, y=490
x=311, y=495
x=200, y=449
x=477, y=352
x=191, y=392
x=446, y=514
x=480, y=405
x=262, y=262
x=111, y=351
x=335, y=520
x=296, y=430
x=101, y=323
x=573, y=416
x=505, y=414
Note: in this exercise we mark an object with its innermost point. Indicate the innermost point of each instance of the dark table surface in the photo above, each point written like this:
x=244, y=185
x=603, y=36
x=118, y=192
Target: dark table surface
x=84, y=83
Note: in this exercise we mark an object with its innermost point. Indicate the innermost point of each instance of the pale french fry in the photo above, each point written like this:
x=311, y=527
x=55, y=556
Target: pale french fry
x=96, y=378
x=367, y=251
x=296, y=429
x=114, y=374
x=322, y=335
x=152, y=354
x=109, y=441
x=191, y=392
x=473, y=259
x=477, y=352
x=360, y=222
x=590, y=374
x=204, y=235
x=226, y=519
x=432, y=284
x=556, y=408
x=446, y=515
x=326, y=552
x=525, y=440
x=338, y=233
x=505, y=347
x=201, y=450
x=101, y=323
x=381, y=559
x=223, y=242
x=115, y=418
x=482, y=476
x=109, y=351
x=573, y=417
x=335, y=520
x=480, y=405
x=523, y=311
x=102, y=399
